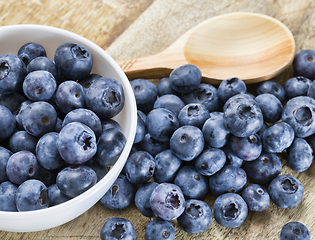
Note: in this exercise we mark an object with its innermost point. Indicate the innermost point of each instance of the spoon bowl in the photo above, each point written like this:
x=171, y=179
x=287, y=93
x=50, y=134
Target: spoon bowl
x=253, y=47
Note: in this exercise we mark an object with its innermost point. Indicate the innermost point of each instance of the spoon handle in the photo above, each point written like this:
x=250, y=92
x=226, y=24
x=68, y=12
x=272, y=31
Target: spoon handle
x=155, y=66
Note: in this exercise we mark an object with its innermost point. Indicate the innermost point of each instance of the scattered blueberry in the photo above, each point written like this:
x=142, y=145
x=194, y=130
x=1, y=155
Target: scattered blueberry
x=230, y=87
x=120, y=195
x=230, y=210
x=185, y=78
x=270, y=106
x=142, y=198
x=246, y=148
x=153, y=146
x=271, y=87
x=30, y=51
x=197, y=216
x=256, y=197
x=167, y=201
x=21, y=140
x=297, y=86
x=159, y=229
x=286, y=191
x=303, y=64
x=295, y=230
x=164, y=87
x=171, y=102
x=118, y=228
x=194, y=114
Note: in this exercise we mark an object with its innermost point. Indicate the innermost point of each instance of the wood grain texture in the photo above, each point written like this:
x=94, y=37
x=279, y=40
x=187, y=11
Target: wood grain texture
x=130, y=29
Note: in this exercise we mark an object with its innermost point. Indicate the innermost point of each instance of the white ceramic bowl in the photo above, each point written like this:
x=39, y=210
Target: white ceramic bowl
x=11, y=39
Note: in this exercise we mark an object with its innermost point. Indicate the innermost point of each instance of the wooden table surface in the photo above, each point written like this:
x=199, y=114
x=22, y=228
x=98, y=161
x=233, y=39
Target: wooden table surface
x=127, y=29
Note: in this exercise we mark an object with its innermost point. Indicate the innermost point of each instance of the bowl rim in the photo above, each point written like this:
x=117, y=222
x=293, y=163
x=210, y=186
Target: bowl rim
x=110, y=176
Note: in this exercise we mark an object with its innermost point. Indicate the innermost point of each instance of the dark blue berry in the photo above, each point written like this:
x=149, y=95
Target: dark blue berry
x=297, y=86
x=304, y=64
x=42, y=63
x=76, y=179
x=118, y=228
x=186, y=78
x=73, y=61
x=271, y=87
x=56, y=196
x=295, y=230
x=191, y=182
x=31, y=195
x=210, y=161
x=194, y=114
x=286, y=191
x=230, y=87
x=164, y=87
x=196, y=218
x=170, y=102
x=142, y=198
x=120, y=195
x=246, y=148
x=153, y=146
x=7, y=196
x=159, y=229
x=270, y=106
x=30, y=51
x=21, y=140
x=230, y=210
x=256, y=197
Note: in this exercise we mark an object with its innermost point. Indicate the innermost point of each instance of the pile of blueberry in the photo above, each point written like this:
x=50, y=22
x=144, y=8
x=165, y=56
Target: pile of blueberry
x=58, y=137
x=195, y=139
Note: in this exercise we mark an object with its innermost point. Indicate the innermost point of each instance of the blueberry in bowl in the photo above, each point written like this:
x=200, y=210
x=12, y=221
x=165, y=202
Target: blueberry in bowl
x=51, y=38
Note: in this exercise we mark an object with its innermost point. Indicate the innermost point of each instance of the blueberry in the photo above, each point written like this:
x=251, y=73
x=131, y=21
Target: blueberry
x=299, y=155
x=230, y=87
x=187, y=142
x=214, y=130
x=87, y=81
x=69, y=95
x=5, y=154
x=76, y=143
x=170, y=102
x=243, y=117
x=30, y=51
x=153, y=146
x=22, y=166
x=185, y=78
x=167, y=201
x=12, y=101
x=230, y=210
x=145, y=94
x=12, y=73
x=210, y=161
x=99, y=170
x=19, y=112
x=166, y=166
x=196, y=218
x=299, y=112
x=295, y=230
x=231, y=157
x=246, y=95
x=297, y=86
x=271, y=87
x=42, y=63
x=48, y=177
x=39, y=85
x=228, y=179
x=277, y=138
x=264, y=169
x=270, y=106
x=303, y=64
x=75, y=179
x=256, y=197
x=85, y=116
x=246, y=148
x=161, y=123
x=110, y=123
x=286, y=191
x=110, y=145
x=205, y=94
x=194, y=114
x=191, y=182
x=141, y=130
x=21, y=140
x=159, y=229
x=164, y=87
x=120, y=195
x=139, y=167
x=73, y=61
x=118, y=228
x=56, y=196
x=105, y=97
x=31, y=195
x=142, y=198
x=47, y=152
x=39, y=118
x=7, y=196
x=8, y=122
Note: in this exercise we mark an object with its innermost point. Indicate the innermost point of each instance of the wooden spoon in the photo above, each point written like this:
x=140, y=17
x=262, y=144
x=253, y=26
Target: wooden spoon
x=253, y=47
